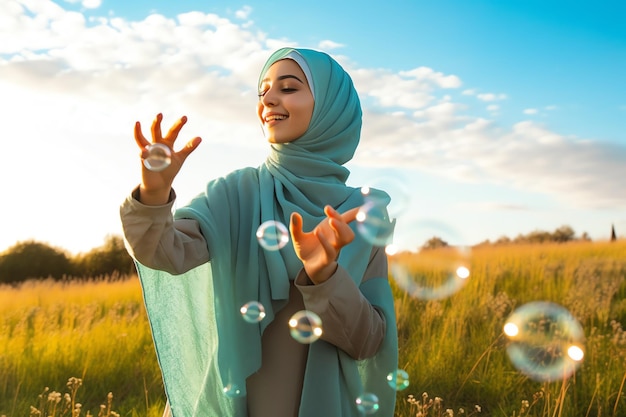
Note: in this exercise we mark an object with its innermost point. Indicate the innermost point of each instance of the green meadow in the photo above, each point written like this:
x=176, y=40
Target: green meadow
x=86, y=345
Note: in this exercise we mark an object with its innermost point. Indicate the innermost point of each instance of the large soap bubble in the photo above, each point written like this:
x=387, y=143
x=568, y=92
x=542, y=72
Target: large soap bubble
x=546, y=342
x=436, y=267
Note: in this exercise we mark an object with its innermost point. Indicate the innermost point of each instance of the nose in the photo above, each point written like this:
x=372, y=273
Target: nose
x=269, y=98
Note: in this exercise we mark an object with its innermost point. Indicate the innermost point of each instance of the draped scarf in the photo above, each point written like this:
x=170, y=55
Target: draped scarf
x=204, y=347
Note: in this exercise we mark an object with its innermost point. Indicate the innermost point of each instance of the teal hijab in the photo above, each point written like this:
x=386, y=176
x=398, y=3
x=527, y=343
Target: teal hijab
x=204, y=347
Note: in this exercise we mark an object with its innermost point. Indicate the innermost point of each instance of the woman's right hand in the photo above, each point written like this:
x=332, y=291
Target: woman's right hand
x=155, y=186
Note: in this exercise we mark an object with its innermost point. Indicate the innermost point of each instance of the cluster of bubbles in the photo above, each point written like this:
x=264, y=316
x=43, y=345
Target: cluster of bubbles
x=306, y=327
x=368, y=403
x=545, y=342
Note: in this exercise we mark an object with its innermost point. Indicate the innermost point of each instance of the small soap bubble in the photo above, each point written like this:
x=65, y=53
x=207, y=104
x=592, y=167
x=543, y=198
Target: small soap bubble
x=232, y=391
x=373, y=220
x=159, y=157
x=252, y=312
x=546, y=343
x=373, y=223
x=305, y=326
x=272, y=235
x=367, y=403
x=436, y=268
x=398, y=379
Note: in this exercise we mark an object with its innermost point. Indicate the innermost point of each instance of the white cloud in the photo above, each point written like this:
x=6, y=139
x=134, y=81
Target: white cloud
x=81, y=85
x=328, y=45
x=243, y=13
x=91, y=4
x=530, y=111
x=411, y=89
x=491, y=97
x=528, y=156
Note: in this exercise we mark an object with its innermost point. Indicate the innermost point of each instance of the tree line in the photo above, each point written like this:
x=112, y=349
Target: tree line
x=560, y=235
x=36, y=260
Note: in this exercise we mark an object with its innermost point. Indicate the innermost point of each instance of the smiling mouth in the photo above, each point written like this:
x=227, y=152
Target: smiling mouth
x=275, y=117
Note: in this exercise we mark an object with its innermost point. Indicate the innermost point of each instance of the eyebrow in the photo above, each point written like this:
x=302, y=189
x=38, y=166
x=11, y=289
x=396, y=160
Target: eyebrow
x=283, y=77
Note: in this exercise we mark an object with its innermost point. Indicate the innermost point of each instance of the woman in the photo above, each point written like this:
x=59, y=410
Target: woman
x=213, y=362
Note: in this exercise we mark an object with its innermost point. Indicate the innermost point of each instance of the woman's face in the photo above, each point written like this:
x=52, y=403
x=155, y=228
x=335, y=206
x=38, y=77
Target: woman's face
x=285, y=102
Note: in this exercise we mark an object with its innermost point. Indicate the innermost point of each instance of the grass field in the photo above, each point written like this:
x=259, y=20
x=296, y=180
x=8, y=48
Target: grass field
x=452, y=348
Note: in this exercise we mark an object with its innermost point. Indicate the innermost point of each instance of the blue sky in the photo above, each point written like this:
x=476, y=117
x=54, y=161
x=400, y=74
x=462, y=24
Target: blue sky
x=499, y=118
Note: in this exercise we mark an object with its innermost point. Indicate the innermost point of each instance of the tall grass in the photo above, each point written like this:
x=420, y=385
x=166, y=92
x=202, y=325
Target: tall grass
x=95, y=330
x=452, y=348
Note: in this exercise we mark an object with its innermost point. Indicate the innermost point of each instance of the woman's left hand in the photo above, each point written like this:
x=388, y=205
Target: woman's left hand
x=319, y=249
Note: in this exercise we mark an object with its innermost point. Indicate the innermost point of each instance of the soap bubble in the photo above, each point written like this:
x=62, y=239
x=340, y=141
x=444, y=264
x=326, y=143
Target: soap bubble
x=367, y=403
x=436, y=268
x=232, y=391
x=373, y=223
x=398, y=379
x=305, y=326
x=252, y=312
x=159, y=157
x=272, y=235
x=546, y=343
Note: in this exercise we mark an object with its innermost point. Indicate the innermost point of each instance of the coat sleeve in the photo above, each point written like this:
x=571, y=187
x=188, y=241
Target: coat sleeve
x=349, y=321
x=154, y=239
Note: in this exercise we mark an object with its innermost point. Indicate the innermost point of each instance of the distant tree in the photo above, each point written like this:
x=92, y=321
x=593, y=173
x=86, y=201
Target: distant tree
x=434, y=243
x=485, y=242
x=613, y=235
x=503, y=240
x=563, y=234
x=31, y=259
x=537, y=236
x=107, y=259
x=585, y=236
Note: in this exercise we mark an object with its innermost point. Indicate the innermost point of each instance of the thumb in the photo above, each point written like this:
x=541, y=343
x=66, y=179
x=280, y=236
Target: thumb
x=295, y=226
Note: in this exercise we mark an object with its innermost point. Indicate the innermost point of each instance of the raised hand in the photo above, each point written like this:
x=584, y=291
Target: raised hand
x=155, y=186
x=319, y=249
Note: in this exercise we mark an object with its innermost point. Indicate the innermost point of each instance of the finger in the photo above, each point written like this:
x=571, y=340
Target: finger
x=172, y=134
x=329, y=249
x=295, y=226
x=141, y=140
x=156, y=128
x=350, y=215
x=190, y=147
x=347, y=216
x=343, y=233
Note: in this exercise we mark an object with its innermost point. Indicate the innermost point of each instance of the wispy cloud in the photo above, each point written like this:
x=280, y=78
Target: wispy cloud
x=491, y=96
x=328, y=45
